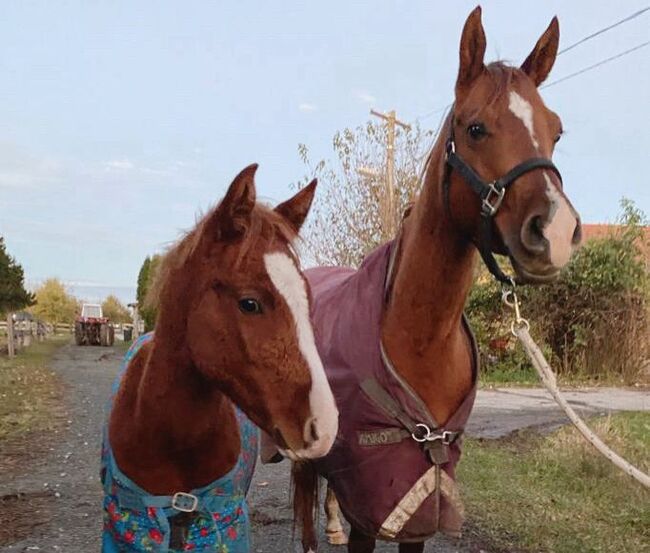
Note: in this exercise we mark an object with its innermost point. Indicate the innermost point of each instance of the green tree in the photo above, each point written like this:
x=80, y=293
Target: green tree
x=53, y=303
x=349, y=218
x=115, y=310
x=146, y=306
x=13, y=295
x=143, y=281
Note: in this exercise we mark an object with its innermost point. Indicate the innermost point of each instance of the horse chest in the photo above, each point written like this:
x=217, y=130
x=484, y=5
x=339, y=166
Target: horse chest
x=136, y=521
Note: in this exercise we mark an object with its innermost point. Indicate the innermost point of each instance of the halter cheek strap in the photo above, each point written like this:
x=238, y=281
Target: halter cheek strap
x=491, y=195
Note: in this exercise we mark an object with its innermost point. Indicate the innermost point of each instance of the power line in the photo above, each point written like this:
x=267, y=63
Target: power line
x=598, y=64
x=570, y=47
x=604, y=30
x=432, y=112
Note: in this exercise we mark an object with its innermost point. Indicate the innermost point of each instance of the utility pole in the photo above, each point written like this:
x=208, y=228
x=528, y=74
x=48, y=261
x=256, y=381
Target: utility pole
x=390, y=200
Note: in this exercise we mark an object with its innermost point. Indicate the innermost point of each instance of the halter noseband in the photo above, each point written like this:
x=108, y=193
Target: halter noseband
x=491, y=195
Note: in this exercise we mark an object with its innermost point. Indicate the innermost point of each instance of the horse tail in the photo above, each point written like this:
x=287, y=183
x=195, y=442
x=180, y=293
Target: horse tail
x=305, y=503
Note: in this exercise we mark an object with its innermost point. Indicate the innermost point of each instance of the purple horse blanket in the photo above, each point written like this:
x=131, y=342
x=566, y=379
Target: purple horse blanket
x=389, y=485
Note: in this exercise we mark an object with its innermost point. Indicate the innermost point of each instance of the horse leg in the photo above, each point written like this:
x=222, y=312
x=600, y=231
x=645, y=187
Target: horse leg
x=360, y=543
x=334, y=530
x=411, y=547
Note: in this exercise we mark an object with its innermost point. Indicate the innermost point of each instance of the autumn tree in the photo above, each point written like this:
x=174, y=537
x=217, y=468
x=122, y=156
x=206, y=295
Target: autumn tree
x=13, y=295
x=347, y=220
x=53, y=303
x=115, y=310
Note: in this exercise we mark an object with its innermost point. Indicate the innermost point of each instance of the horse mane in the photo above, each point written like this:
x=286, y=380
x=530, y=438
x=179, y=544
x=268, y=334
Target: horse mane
x=264, y=225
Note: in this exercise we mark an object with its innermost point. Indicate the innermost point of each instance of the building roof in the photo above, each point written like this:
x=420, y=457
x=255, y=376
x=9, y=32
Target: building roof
x=597, y=231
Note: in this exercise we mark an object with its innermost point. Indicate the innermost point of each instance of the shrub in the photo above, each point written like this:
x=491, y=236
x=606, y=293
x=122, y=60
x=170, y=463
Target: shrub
x=593, y=321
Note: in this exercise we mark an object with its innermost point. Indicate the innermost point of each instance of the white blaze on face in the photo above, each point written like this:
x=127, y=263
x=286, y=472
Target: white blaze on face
x=285, y=277
x=524, y=111
x=560, y=227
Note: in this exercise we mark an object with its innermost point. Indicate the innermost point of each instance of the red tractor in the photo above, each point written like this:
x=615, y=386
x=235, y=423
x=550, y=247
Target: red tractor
x=92, y=328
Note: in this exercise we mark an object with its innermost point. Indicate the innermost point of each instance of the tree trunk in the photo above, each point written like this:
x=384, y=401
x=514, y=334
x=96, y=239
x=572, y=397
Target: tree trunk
x=10, y=335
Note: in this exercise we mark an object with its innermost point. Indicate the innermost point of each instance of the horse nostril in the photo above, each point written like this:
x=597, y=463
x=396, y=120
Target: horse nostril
x=311, y=431
x=532, y=235
x=577, y=233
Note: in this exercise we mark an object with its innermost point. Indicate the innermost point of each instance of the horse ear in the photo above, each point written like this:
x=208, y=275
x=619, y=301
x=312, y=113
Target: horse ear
x=234, y=212
x=472, y=51
x=540, y=61
x=295, y=209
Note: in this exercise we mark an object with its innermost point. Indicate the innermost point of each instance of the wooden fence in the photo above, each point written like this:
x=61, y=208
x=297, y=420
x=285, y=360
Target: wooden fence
x=24, y=332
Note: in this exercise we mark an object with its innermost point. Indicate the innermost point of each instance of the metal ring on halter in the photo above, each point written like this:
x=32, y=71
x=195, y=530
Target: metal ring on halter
x=426, y=436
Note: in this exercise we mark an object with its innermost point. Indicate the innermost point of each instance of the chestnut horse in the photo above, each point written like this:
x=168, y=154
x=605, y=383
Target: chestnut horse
x=489, y=184
x=233, y=329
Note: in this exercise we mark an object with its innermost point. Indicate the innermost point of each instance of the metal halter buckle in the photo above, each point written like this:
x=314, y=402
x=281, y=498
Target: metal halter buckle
x=487, y=207
x=446, y=437
x=185, y=502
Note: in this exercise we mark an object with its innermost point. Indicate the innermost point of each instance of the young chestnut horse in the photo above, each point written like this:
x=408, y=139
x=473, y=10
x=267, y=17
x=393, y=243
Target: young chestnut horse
x=233, y=329
x=399, y=356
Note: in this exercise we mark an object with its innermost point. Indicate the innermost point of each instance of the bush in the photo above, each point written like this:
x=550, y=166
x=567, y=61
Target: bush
x=593, y=321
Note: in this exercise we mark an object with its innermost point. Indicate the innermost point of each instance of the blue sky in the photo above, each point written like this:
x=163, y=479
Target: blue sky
x=120, y=120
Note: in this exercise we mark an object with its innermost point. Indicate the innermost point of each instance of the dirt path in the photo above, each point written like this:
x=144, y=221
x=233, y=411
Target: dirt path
x=60, y=490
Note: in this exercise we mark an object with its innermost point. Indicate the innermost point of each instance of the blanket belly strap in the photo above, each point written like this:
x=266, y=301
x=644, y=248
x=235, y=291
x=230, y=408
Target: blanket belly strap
x=434, y=481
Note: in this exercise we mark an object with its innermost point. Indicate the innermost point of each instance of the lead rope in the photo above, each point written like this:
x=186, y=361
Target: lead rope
x=520, y=328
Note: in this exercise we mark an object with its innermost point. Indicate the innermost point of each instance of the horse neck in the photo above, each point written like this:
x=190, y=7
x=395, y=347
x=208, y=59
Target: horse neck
x=184, y=402
x=422, y=328
x=181, y=423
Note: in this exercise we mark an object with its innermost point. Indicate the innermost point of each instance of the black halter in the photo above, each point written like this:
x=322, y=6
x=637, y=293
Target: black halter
x=491, y=195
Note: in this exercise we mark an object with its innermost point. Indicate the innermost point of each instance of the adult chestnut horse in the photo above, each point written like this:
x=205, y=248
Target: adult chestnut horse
x=233, y=329
x=399, y=356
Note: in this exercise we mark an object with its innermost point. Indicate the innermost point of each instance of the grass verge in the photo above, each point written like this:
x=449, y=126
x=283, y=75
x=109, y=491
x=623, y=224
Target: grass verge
x=28, y=389
x=557, y=494
x=504, y=375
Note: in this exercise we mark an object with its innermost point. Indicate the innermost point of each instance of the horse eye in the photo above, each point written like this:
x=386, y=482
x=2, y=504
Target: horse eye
x=250, y=306
x=558, y=136
x=477, y=131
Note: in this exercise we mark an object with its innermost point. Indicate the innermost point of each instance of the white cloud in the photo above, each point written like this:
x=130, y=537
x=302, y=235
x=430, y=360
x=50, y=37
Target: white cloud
x=307, y=108
x=364, y=96
x=22, y=170
x=119, y=165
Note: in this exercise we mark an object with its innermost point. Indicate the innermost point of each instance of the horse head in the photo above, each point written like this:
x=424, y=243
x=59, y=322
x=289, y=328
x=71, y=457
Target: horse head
x=501, y=137
x=244, y=319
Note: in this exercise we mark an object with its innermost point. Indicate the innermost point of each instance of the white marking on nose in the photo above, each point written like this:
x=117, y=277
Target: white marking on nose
x=560, y=227
x=522, y=109
x=285, y=277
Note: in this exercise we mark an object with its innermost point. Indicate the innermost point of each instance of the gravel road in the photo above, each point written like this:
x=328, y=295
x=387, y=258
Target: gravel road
x=63, y=486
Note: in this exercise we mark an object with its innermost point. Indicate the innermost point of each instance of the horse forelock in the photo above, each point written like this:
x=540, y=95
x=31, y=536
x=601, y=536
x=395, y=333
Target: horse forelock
x=265, y=230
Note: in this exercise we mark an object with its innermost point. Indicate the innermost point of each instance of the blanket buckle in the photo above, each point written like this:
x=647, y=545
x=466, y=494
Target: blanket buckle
x=185, y=502
x=427, y=435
